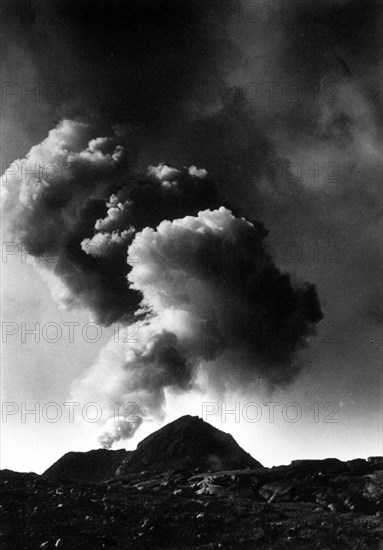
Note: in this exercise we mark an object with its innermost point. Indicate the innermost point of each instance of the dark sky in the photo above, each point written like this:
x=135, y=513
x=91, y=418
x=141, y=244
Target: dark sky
x=281, y=104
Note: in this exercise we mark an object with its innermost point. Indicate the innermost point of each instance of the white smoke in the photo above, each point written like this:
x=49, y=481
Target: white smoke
x=190, y=274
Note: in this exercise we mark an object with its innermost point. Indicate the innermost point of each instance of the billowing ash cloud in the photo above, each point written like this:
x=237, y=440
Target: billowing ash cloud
x=215, y=266
x=209, y=288
x=74, y=203
x=204, y=291
x=283, y=110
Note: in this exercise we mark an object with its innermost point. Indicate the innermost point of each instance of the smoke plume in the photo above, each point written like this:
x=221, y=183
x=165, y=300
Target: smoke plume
x=200, y=282
x=74, y=203
x=282, y=109
x=209, y=288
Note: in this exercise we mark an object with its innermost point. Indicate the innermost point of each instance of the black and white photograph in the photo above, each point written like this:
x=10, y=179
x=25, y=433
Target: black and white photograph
x=191, y=275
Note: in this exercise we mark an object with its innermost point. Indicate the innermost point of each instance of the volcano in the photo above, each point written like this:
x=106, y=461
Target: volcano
x=188, y=443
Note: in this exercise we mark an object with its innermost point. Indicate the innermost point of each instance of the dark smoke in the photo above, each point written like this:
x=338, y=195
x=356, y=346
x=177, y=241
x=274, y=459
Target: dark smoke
x=174, y=80
x=88, y=187
x=210, y=291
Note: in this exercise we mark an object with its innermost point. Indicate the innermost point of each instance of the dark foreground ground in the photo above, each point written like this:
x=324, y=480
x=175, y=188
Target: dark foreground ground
x=307, y=505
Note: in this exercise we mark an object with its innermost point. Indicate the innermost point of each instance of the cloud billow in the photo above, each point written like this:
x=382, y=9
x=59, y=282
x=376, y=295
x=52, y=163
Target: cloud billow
x=83, y=212
x=197, y=274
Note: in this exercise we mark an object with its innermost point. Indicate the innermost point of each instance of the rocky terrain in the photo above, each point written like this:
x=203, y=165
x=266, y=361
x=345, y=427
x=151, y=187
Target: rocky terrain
x=189, y=485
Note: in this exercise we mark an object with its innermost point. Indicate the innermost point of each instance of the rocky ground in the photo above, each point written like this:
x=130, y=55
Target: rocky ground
x=324, y=504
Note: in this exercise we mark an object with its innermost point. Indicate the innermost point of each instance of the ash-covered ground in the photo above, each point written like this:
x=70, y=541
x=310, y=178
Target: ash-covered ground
x=189, y=485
